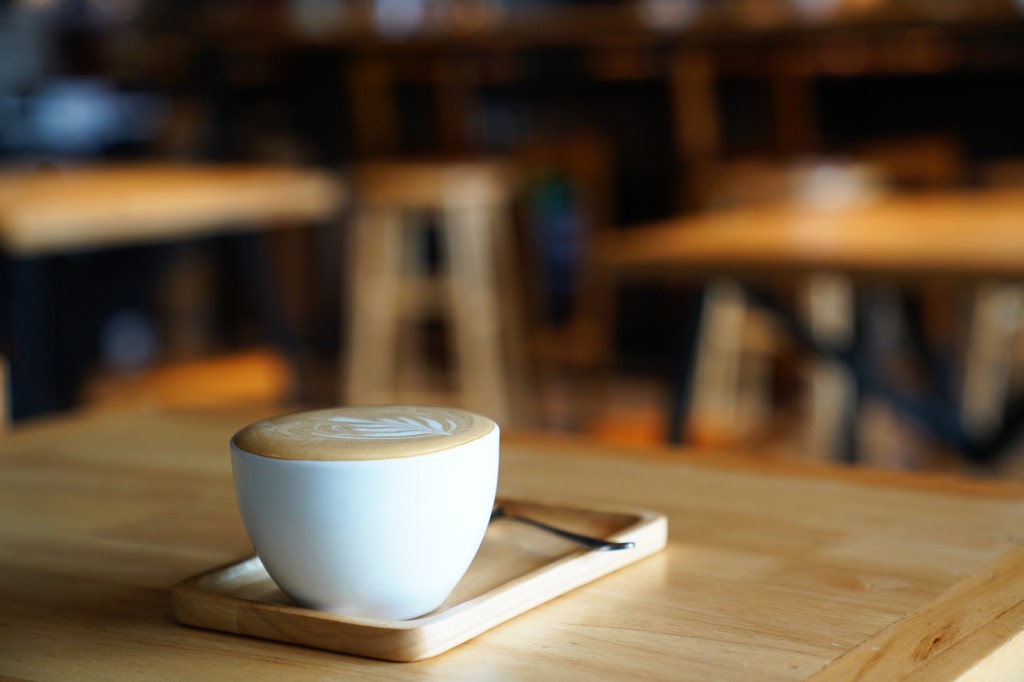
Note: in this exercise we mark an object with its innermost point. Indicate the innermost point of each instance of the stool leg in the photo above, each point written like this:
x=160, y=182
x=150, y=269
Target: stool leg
x=371, y=354
x=830, y=314
x=716, y=380
x=996, y=319
x=685, y=361
x=475, y=310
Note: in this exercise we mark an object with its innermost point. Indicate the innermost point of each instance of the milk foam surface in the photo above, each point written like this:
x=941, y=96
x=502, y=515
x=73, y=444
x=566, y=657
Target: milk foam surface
x=363, y=432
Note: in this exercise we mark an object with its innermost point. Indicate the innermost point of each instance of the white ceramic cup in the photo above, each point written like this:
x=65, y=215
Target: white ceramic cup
x=374, y=512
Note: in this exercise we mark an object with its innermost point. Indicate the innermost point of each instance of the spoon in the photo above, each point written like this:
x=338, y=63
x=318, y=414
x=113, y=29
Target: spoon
x=500, y=512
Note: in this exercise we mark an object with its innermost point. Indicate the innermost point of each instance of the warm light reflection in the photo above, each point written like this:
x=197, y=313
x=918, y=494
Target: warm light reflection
x=116, y=10
x=818, y=9
x=317, y=17
x=668, y=14
x=396, y=19
x=466, y=16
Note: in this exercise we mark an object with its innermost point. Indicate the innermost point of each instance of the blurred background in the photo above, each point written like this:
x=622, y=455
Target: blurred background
x=604, y=115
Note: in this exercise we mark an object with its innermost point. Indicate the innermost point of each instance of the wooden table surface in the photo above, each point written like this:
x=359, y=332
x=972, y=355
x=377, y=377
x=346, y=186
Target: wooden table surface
x=773, y=571
x=127, y=204
x=941, y=234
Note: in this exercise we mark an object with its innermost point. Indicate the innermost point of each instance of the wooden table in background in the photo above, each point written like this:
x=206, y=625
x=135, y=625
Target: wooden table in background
x=963, y=238
x=79, y=209
x=50, y=211
x=773, y=571
x=970, y=234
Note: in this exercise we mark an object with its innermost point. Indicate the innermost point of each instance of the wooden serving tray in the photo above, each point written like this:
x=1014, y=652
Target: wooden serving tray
x=516, y=569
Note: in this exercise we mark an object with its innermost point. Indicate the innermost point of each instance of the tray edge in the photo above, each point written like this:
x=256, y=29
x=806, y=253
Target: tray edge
x=430, y=635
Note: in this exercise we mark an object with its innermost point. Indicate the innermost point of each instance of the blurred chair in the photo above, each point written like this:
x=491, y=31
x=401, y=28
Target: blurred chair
x=738, y=343
x=992, y=356
x=995, y=323
x=993, y=359
x=467, y=280
x=568, y=202
x=736, y=348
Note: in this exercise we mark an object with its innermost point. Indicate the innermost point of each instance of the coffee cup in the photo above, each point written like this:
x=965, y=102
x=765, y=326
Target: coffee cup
x=368, y=511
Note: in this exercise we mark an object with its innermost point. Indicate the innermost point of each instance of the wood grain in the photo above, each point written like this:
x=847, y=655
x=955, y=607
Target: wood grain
x=973, y=631
x=118, y=205
x=772, y=572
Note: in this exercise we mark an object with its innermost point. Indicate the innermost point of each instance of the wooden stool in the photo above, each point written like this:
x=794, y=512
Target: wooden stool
x=391, y=284
x=732, y=398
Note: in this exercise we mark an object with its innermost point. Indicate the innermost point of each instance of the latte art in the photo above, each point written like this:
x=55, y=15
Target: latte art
x=404, y=426
x=363, y=432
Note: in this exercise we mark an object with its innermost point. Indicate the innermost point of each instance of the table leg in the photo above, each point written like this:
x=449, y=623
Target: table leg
x=936, y=368
x=932, y=412
x=684, y=358
x=35, y=388
x=833, y=388
x=853, y=354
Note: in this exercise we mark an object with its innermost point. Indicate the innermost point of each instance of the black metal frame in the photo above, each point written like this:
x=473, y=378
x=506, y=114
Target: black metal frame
x=934, y=412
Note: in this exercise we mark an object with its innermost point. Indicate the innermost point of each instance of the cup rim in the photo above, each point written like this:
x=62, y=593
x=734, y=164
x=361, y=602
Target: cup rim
x=348, y=448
